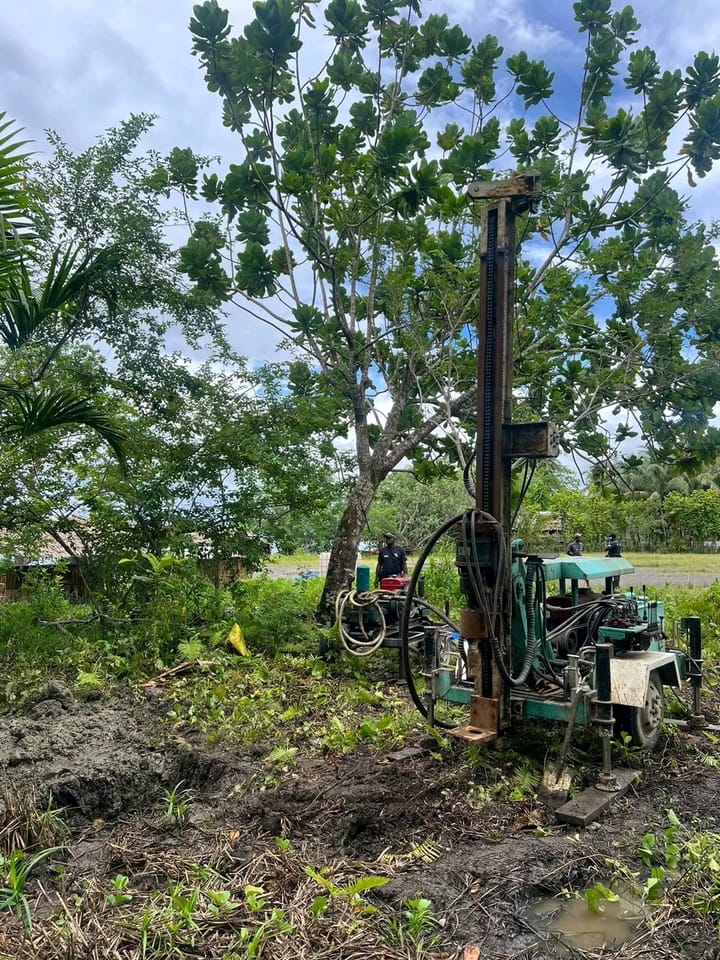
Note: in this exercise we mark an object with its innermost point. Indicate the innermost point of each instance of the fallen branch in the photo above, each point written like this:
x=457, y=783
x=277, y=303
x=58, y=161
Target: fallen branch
x=187, y=667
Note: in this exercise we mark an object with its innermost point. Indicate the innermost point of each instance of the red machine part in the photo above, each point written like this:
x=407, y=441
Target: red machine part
x=394, y=583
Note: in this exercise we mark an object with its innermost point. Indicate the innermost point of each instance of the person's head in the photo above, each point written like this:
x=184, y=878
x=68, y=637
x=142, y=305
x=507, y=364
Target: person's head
x=613, y=536
x=389, y=539
x=577, y=538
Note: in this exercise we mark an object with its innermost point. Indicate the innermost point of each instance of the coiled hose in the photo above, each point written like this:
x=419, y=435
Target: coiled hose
x=361, y=602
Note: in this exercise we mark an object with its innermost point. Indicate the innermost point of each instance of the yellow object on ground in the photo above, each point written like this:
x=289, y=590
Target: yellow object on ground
x=236, y=639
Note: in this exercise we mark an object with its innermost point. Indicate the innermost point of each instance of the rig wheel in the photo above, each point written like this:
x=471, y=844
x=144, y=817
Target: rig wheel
x=644, y=723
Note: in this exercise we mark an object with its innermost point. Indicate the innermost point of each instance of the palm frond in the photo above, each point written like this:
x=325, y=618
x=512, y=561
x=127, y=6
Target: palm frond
x=27, y=413
x=71, y=278
x=16, y=228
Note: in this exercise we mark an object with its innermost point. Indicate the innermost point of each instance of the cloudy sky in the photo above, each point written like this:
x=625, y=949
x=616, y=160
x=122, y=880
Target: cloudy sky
x=80, y=66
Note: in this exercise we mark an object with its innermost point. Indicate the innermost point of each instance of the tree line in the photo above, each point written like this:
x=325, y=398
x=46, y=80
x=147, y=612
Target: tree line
x=341, y=221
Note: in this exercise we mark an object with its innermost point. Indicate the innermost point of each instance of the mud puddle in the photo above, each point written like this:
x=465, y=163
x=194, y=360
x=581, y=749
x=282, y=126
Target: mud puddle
x=570, y=925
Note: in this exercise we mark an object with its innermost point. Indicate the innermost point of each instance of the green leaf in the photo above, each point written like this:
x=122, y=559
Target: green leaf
x=591, y=14
x=26, y=413
x=348, y=23
x=252, y=226
x=183, y=169
x=642, y=70
x=255, y=274
x=703, y=79
x=702, y=143
x=272, y=33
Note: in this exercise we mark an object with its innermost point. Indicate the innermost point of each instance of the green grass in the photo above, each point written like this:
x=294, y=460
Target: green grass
x=677, y=562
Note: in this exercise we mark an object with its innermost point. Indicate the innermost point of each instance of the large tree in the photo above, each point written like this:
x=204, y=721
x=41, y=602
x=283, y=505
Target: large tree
x=217, y=450
x=342, y=222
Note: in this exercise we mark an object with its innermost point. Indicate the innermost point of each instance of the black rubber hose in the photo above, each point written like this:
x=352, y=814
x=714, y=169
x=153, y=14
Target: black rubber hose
x=531, y=645
x=405, y=620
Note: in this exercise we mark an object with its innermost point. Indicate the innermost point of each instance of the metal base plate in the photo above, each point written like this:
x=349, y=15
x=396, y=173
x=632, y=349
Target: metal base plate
x=473, y=734
x=592, y=803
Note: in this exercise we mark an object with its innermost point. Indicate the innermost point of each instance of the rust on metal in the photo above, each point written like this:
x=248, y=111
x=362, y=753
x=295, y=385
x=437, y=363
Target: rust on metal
x=472, y=624
x=524, y=188
x=535, y=440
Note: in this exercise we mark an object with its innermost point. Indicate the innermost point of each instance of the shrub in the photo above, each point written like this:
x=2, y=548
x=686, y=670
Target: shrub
x=277, y=615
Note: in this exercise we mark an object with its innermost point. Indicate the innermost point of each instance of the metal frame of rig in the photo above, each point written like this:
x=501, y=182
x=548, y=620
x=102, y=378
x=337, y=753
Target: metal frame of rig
x=582, y=657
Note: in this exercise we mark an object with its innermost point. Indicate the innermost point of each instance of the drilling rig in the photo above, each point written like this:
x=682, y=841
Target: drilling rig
x=583, y=657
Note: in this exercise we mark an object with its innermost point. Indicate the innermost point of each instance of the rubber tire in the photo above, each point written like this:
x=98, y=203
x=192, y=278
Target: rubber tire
x=644, y=724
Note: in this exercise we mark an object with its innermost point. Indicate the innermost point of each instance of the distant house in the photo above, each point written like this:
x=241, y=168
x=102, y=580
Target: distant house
x=46, y=555
x=551, y=524
x=220, y=571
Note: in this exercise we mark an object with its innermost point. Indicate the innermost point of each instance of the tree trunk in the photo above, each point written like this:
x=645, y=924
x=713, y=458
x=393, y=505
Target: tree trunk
x=343, y=557
x=386, y=455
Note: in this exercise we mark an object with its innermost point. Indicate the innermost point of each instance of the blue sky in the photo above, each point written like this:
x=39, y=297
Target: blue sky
x=79, y=66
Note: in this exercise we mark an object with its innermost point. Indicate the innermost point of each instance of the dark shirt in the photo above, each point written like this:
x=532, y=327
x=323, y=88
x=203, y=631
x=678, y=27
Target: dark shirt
x=614, y=549
x=391, y=561
x=575, y=549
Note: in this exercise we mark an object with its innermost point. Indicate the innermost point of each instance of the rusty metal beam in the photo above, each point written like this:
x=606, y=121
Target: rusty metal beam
x=523, y=188
x=536, y=440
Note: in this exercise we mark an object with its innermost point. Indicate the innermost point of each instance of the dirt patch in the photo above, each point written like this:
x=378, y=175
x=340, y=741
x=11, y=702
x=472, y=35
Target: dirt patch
x=98, y=757
x=111, y=762
x=667, y=576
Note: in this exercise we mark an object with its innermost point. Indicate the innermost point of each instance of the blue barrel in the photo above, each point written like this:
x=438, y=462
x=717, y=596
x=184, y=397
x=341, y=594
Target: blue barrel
x=362, y=579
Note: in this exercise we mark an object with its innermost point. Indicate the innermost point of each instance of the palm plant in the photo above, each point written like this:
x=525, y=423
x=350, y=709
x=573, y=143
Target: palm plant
x=653, y=480
x=50, y=311
x=16, y=231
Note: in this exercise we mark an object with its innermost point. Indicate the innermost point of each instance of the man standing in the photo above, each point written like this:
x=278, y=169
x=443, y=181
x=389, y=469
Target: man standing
x=613, y=547
x=576, y=546
x=392, y=560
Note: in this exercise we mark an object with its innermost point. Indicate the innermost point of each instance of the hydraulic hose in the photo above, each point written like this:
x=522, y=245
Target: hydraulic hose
x=405, y=619
x=360, y=648
x=533, y=638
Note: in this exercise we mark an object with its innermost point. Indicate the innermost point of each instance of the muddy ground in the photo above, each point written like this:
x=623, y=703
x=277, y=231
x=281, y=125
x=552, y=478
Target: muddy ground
x=110, y=762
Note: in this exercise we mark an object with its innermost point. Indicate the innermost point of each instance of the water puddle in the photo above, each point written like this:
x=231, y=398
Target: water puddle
x=571, y=925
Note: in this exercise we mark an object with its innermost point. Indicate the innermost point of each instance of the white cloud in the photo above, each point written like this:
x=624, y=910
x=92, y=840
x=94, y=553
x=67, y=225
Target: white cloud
x=79, y=67
x=513, y=20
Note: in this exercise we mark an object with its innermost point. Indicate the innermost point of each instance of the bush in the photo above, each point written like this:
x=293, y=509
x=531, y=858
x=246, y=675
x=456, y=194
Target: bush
x=277, y=615
x=440, y=579
x=703, y=603
x=166, y=603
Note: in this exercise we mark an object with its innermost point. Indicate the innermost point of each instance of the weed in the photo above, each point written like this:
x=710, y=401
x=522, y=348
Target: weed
x=598, y=895
x=252, y=942
x=118, y=895
x=24, y=824
x=88, y=680
x=177, y=804
x=417, y=921
x=14, y=872
x=221, y=902
x=418, y=917
x=352, y=892
x=254, y=898
x=284, y=846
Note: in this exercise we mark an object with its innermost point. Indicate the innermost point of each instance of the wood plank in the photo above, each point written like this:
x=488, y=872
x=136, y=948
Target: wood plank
x=473, y=734
x=592, y=803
